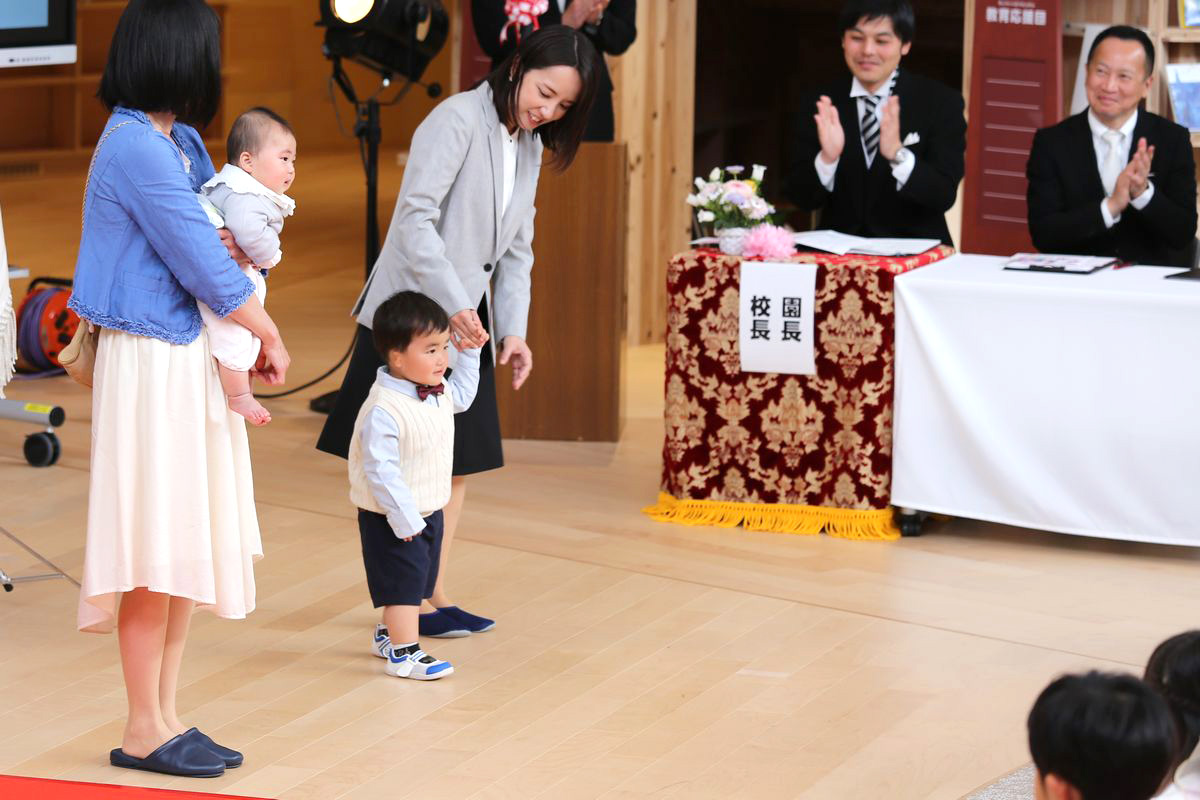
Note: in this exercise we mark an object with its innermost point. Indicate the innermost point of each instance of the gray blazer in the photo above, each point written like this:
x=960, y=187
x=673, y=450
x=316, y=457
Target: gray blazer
x=447, y=238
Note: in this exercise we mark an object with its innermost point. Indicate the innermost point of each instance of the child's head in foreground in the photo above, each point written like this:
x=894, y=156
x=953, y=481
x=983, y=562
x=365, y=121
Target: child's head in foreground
x=1174, y=670
x=1100, y=736
x=262, y=143
x=412, y=335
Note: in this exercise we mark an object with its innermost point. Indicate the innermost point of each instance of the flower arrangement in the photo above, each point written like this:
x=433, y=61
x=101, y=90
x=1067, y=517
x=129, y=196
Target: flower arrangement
x=726, y=200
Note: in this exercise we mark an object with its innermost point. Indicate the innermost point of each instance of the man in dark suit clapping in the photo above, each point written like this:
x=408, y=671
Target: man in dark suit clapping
x=1115, y=180
x=883, y=155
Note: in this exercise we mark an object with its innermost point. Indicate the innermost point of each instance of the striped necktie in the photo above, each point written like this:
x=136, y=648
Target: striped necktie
x=870, y=121
x=870, y=128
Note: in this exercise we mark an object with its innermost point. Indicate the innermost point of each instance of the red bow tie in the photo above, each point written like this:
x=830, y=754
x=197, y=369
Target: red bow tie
x=424, y=391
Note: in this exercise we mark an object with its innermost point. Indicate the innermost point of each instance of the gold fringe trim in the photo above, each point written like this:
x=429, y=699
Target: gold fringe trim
x=844, y=523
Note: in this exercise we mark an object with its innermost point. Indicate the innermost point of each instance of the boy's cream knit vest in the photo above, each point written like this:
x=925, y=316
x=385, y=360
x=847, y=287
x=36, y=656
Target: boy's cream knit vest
x=426, y=449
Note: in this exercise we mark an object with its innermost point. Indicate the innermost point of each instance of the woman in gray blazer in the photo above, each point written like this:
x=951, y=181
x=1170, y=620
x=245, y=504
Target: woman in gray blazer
x=462, y=233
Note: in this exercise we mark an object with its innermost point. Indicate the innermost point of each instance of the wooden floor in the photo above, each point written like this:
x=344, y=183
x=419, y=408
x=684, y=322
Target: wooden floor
x=632, y=659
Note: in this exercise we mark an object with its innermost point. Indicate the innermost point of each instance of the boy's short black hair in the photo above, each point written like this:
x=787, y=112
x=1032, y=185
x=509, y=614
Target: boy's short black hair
x=1174, y=670
x=165, y=55
x=248, y=134
x=402, y=317
x=1129, y=34
x=900, y=12
x=1110, y=736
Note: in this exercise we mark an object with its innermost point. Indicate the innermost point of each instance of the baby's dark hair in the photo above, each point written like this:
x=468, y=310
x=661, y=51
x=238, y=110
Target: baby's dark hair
x=249, y=132
x=404, y=316
x=1110, y=736
x=1174, y=670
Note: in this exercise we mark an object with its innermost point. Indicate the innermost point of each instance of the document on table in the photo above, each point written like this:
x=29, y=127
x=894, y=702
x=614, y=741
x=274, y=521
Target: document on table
x=1056, y=262
x=843, y=243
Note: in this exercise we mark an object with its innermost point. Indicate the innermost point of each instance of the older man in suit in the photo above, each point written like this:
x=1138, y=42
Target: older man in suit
x=1115, y=180
x=883, y=155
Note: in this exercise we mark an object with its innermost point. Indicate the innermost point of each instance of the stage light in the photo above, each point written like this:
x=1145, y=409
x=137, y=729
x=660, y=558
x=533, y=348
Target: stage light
x=392, y=37
x=352, y=11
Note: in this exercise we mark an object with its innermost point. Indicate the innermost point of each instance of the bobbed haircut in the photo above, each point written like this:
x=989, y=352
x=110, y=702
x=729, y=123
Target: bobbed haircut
x=1174, y=670
x=551, y=46
x=249, y=132
x=403, y=317
x=1129, y=34
x=1110, y=736
x=165, y=56
x=900, y=12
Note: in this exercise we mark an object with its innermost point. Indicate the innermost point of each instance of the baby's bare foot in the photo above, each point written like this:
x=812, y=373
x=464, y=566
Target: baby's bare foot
x=248, y=407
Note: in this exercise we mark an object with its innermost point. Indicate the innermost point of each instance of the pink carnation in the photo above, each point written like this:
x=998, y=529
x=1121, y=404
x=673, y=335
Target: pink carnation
x=739, y=187
x=769, y=241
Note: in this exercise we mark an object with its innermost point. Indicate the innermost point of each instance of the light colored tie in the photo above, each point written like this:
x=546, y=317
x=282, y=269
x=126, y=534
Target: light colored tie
x=1114, y=160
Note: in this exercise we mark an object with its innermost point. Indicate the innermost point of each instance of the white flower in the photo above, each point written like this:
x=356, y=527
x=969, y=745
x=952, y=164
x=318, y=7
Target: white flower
x=705, y=216
x=757, y=174
x=758, y=208
x=736, y=169
x=699, y=183
x=694, y=200
x=715, y=175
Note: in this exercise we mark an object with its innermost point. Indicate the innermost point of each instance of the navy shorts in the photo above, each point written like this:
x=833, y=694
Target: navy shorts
x=399, y=573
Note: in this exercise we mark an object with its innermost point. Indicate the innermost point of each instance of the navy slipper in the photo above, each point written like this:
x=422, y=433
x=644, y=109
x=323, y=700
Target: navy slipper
x=181, y=755
x=232, y=758
x=440, y=625
x=469, y=621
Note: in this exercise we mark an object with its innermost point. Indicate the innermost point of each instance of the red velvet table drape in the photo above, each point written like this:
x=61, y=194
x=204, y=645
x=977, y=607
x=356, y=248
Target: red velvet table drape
x=785, y=453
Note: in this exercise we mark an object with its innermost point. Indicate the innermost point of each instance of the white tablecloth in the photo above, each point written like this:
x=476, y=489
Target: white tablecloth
x=1067, y=403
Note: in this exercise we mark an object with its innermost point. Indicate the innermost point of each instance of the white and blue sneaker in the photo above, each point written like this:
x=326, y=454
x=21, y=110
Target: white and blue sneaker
x=382, y=644
x=417, y=665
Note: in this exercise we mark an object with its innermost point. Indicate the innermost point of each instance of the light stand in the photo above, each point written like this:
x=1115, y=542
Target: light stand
x=369, y=132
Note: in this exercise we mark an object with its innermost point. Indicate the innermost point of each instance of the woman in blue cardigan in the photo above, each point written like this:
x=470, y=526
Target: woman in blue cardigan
x=171, y=516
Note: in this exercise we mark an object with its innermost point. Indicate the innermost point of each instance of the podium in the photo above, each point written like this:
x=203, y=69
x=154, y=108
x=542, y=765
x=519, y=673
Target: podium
x=577, y=311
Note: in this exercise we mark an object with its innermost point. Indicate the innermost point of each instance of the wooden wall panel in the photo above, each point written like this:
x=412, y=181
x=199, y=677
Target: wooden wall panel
x=576, y=317
x=655, y=109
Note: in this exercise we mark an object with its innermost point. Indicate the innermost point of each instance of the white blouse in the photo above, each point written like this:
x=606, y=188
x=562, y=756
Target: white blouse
x=508, y=143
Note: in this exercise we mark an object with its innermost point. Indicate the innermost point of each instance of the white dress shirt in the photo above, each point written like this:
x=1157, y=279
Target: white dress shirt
x=902, y=165
x=380, y=434
x=1125, y=144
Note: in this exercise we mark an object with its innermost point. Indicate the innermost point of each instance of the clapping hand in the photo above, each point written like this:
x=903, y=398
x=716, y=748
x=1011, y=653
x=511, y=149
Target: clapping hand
x=583, y=12
x=598, y=12
x=829, y=130
x=1139, y=168
x=889, y=129
x=1133, y=180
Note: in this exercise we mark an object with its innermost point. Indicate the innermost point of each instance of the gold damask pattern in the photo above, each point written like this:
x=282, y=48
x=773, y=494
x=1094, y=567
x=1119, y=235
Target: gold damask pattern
x=810, y=440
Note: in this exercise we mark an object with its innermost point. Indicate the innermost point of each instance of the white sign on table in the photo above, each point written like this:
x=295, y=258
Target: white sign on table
x=775, y=325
